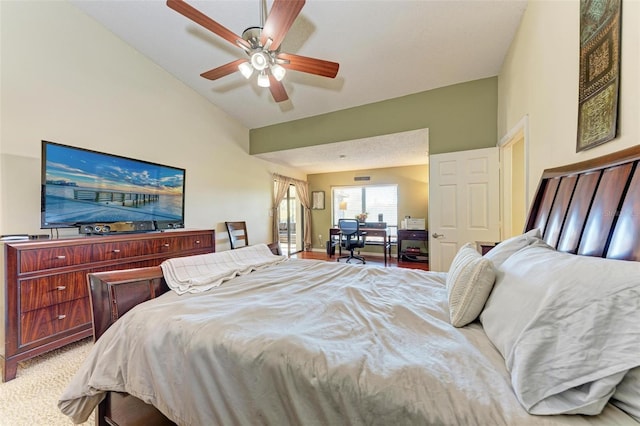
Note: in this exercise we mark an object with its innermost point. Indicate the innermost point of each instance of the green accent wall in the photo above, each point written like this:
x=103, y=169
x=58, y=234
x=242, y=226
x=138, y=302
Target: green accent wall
x=459, y=117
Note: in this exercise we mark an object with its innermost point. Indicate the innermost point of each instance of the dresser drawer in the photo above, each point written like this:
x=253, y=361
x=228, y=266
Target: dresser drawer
x=43, y=323
x=171, y=245
x=121, y=250
x=196, y=242
x=165, y=244
x=40, y=292
x=55, y=257
x=73, y=314
x=38, y=324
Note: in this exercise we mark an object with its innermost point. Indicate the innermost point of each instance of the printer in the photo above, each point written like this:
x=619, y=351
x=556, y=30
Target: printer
x=413, y=224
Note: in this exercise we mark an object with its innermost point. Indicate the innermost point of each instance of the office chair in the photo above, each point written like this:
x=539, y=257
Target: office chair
x=351, y=238
x=237, y=234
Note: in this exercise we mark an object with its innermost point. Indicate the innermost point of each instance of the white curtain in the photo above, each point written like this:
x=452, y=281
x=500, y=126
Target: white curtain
x=302, y=190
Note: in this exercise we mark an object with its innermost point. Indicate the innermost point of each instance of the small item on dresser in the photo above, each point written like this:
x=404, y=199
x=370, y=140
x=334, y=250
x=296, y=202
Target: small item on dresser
x=14, y=237
x=39, y=237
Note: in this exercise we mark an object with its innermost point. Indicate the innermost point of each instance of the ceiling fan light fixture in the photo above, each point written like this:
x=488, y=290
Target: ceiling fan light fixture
x=263, y=79
x=262, y=45
x=259, y=60
x=246, y=69
x=278, y=71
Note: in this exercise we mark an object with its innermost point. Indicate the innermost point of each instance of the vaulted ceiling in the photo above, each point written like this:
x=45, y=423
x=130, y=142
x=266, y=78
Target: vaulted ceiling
x=385, y=48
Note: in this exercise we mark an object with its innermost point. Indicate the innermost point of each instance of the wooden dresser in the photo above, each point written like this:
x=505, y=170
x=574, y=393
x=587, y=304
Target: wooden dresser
x=46, y=300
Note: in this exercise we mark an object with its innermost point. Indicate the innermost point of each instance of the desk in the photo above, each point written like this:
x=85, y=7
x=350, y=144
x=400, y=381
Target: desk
x=382, y=239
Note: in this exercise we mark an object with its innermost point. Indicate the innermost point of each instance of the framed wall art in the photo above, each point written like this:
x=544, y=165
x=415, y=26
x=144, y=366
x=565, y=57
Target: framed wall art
x=599, y=72
x=317, y=200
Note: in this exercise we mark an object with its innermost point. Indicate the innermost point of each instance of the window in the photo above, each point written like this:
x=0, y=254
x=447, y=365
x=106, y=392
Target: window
x=378, y=201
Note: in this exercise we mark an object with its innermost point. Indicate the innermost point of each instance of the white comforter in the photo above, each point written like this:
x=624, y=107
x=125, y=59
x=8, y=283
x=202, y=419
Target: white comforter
x=308, y=342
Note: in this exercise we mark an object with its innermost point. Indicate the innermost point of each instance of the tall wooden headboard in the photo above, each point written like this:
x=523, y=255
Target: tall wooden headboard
x=591, y=208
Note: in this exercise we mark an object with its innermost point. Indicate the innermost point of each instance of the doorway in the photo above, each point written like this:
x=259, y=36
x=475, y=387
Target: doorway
x=464, y=203
x=288, y=228
x=513, y=179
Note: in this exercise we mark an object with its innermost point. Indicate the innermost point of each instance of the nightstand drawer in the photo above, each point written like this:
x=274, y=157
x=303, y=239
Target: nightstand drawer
x=413, y=235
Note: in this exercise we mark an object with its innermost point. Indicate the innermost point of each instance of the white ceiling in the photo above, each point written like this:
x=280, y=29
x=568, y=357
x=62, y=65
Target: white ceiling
x=386, y=49
x=399, y=149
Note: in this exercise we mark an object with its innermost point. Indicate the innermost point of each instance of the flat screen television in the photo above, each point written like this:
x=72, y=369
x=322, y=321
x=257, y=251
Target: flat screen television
x=80, y=186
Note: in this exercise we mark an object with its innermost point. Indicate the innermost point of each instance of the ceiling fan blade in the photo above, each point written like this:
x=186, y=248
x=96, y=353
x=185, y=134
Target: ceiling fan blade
x=200, y=18
x=277, y=90
x=280, y=19
x=310, y=65
x=223, y=70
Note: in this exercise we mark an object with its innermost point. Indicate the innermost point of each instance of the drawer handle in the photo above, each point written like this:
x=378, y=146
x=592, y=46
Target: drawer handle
x=116, y=250
x=197, y=241
x=61, y=287
x=61, y=317
x=61, y=257
x=165, y=245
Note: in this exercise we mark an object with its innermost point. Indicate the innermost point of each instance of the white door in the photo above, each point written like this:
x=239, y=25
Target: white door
x=464, y=202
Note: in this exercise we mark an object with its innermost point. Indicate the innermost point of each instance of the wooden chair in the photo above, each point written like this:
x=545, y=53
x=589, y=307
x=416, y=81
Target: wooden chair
x=237, y=234
x=275, y=249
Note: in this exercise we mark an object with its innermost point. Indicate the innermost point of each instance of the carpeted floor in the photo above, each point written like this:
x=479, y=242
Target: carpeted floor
x=31, y=398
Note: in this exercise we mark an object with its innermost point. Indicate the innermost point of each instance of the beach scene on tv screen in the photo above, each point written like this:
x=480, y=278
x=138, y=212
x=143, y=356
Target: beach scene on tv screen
x=84, y=186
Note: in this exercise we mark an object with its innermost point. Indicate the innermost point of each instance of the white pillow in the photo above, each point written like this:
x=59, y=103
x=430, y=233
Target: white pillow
x=469, y=282
x=627, y=396
x=506, y=248
x=567, y=327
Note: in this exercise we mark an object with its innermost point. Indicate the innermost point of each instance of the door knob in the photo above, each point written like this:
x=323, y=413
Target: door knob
x=434, y=235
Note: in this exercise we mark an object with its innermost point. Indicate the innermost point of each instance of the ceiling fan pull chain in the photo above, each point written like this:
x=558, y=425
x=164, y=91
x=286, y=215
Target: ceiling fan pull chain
x=262, y=13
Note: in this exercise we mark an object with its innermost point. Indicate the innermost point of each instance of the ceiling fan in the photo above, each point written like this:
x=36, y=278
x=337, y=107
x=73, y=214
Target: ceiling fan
x=262, y=46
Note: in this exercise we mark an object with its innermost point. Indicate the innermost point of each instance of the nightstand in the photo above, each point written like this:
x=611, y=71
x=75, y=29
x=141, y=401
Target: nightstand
x=418, y=253
x=485, y=247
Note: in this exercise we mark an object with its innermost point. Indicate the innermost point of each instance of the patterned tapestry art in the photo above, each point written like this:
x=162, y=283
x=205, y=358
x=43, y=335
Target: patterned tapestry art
x=599, y=72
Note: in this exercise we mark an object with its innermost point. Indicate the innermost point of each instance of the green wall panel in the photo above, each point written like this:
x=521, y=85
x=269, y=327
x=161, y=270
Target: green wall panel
x=459, y=117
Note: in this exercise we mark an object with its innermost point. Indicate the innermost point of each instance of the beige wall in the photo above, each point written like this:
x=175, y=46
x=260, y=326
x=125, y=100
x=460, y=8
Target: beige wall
x=540, y=78
x=413, y=193
x=69, y=80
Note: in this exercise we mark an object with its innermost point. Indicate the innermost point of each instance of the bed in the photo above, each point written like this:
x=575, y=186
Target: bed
x=542, y=330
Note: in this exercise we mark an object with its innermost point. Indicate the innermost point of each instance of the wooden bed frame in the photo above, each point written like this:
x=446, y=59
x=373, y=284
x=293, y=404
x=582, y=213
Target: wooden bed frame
x=589, y=208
